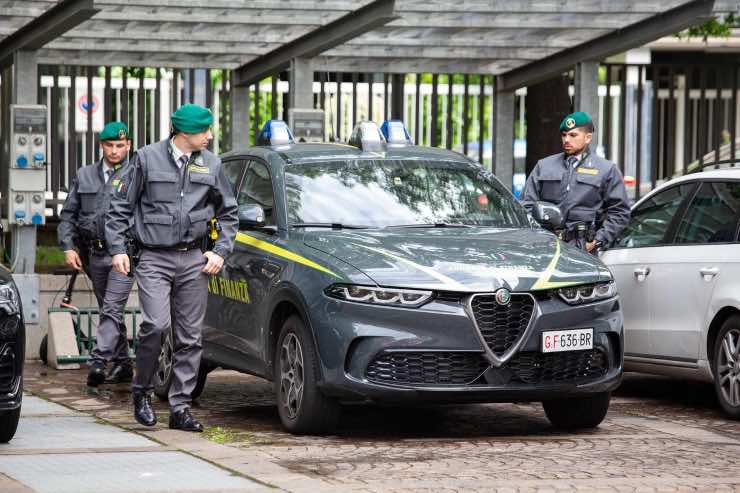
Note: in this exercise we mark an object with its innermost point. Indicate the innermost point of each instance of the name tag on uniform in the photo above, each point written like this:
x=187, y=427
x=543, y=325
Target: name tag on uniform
x=588, y=171
x=194, y=168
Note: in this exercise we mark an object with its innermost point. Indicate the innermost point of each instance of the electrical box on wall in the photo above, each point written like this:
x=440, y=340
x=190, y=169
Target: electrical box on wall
x=27, y=174
x=307, y=124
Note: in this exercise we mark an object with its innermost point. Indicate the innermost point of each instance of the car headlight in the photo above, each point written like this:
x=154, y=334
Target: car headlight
x=587, y=293
x=410, y=298
x=8, y=299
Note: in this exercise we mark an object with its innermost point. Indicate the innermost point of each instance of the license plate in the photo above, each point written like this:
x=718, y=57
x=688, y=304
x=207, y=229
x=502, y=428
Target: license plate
x=555, y=341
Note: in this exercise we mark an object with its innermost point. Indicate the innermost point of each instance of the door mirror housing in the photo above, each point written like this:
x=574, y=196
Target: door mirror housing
x=548, y=215
x=251, y=216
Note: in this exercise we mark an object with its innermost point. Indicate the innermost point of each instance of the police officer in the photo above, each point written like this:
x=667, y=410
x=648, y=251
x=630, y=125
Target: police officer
x=82, y=237
x=588, y=189
x=172, y=189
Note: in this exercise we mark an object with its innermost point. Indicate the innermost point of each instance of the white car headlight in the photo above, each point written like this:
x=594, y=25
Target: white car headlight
x=8, y=299
x=409, y=298
x=588, y=293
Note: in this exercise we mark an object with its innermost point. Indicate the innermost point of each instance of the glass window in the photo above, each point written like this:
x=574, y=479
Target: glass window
x=257, y=189
x=712, y=217
x=233, y=171
x=651, y=220
x=381, y=193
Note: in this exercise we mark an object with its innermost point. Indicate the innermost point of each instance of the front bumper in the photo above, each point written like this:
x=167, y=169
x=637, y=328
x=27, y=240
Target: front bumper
x=436, y=354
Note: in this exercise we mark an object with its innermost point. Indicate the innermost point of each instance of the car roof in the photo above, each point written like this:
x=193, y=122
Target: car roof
x=732, y=173
x=306, y=153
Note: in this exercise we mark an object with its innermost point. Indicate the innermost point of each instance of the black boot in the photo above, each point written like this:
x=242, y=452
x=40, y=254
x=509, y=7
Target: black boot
x=183, y=420
x=96, y=375
x=143, y=411
x=120, y=373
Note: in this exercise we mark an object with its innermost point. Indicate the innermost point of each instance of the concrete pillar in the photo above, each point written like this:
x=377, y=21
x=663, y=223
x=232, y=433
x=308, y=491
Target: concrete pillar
x=301, y=83
x=587, y=89
x=397, y=83
x=503, y=131
x=239, y=116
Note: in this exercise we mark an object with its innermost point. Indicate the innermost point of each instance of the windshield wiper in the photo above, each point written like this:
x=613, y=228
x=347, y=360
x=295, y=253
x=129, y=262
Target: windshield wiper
x=328, y=225
x=431, y=225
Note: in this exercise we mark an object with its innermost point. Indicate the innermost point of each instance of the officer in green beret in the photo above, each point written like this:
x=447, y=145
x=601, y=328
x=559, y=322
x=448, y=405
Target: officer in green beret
x=81, y=235
x=171, y=190
x=588, y=189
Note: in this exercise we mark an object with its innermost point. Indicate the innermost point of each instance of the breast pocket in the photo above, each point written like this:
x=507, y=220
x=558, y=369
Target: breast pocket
x=88, y=198
x=589, y=190
x=201, y=183
x=551, y=186
x=162, y=186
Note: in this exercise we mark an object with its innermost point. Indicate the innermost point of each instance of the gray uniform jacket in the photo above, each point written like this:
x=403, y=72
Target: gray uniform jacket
x=171, y=206
x=592, y=192
x=82, y=218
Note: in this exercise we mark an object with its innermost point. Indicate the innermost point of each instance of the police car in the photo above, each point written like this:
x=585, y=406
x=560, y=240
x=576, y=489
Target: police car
x=385, y=272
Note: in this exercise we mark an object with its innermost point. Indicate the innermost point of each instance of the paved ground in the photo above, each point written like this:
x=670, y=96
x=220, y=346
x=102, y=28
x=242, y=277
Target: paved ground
x=660, y=435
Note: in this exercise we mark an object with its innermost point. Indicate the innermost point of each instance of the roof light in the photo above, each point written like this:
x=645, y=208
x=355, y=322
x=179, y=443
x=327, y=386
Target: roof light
x=395, y=133
x=368, y=137
x=275, y=133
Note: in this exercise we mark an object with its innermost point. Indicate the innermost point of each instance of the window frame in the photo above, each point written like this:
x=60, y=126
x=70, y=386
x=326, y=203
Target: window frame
x=250, y=161
x=246, y=161
x=670, y=234
x=685, y=208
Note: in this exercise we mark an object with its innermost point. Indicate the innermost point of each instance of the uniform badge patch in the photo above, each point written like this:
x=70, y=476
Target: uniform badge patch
x=588, y=171
x=570, y=122
x=194, y=168
x=121, y=134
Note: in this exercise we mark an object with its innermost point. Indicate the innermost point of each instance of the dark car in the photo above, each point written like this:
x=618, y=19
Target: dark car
x=12, y=356
x=403, y=275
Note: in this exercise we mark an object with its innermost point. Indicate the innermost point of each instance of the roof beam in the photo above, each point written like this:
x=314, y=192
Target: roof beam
x=652, y=28
x=48, y=26
x=375, y=14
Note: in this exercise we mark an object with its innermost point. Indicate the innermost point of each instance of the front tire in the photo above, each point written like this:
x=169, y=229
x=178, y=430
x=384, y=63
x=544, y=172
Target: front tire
x=303, y=409
x=726, y=366
x=577, y=412
x=9, y=424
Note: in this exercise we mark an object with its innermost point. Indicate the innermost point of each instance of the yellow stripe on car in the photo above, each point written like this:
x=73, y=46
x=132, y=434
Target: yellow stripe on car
x=282, y=252
x=544, y=281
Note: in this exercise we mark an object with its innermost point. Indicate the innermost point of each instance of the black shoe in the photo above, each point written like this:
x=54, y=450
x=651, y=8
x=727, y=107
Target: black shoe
x=96, y=375
x=183, y=420
x=120, y=373
x=143, y=411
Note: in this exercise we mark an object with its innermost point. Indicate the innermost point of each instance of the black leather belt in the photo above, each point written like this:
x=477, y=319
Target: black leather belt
x=179, y=247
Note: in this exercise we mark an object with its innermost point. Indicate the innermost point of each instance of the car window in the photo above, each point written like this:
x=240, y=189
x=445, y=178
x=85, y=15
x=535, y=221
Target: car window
x=256, y=188
x=233, y=171
x=712, y=216
x=651, y=219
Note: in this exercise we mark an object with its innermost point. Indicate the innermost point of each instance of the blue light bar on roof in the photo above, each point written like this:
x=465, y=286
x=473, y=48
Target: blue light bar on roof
x=275, y=133
x=395, y=132
x=368, y=137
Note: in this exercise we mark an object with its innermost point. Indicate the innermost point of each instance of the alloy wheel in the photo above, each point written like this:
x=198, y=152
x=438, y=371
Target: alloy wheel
x=164, y=366
x=291, y=375
x=729, y=367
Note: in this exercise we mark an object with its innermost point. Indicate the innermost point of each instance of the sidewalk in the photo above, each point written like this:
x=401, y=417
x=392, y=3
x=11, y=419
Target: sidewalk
x=59, y=450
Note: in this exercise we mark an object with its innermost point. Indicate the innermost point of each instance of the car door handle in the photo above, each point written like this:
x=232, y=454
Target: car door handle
x=641, y=273
x=708, y=273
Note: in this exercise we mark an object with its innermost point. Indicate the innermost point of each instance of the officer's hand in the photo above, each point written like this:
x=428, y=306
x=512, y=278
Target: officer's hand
x=214, y=264
x=120, y=263
x=72, y=259
x=590, y=245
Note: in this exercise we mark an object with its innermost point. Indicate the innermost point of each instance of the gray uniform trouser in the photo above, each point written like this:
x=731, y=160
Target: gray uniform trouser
x=172, y=293
x=111, y=290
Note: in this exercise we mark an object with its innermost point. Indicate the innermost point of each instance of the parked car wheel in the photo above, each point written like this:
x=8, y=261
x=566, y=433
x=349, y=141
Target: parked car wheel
x=302, y=407
x=726, y=366
x=163, y=375
x=44, y=349
x=577, y=412
x=8, y=424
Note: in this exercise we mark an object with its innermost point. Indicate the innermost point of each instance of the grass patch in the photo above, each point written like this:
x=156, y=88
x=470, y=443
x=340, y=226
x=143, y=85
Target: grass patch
x=220, y=435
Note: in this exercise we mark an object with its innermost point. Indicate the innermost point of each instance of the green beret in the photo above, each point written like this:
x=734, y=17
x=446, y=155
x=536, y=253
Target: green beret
x=192, y=119
x=114, y=131
x=575, y=120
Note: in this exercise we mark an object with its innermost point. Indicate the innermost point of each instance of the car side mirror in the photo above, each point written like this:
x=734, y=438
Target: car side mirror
x=251, y=216
x=548, y=215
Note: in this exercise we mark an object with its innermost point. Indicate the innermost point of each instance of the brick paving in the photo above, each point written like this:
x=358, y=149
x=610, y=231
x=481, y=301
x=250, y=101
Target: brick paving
x=660, y=435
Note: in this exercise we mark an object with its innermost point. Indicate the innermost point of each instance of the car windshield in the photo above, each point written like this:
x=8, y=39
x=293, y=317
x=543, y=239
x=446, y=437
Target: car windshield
x=387, y=193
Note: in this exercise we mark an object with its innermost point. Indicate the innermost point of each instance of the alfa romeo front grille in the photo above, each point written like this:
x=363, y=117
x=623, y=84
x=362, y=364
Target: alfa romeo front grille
x=501, y=326
x=426, y=368
x=536, y=368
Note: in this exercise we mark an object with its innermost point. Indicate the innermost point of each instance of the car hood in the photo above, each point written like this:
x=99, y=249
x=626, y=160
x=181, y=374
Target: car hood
x=461, y=259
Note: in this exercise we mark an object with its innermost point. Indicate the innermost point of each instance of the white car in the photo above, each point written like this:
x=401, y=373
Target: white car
x=677, y=268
